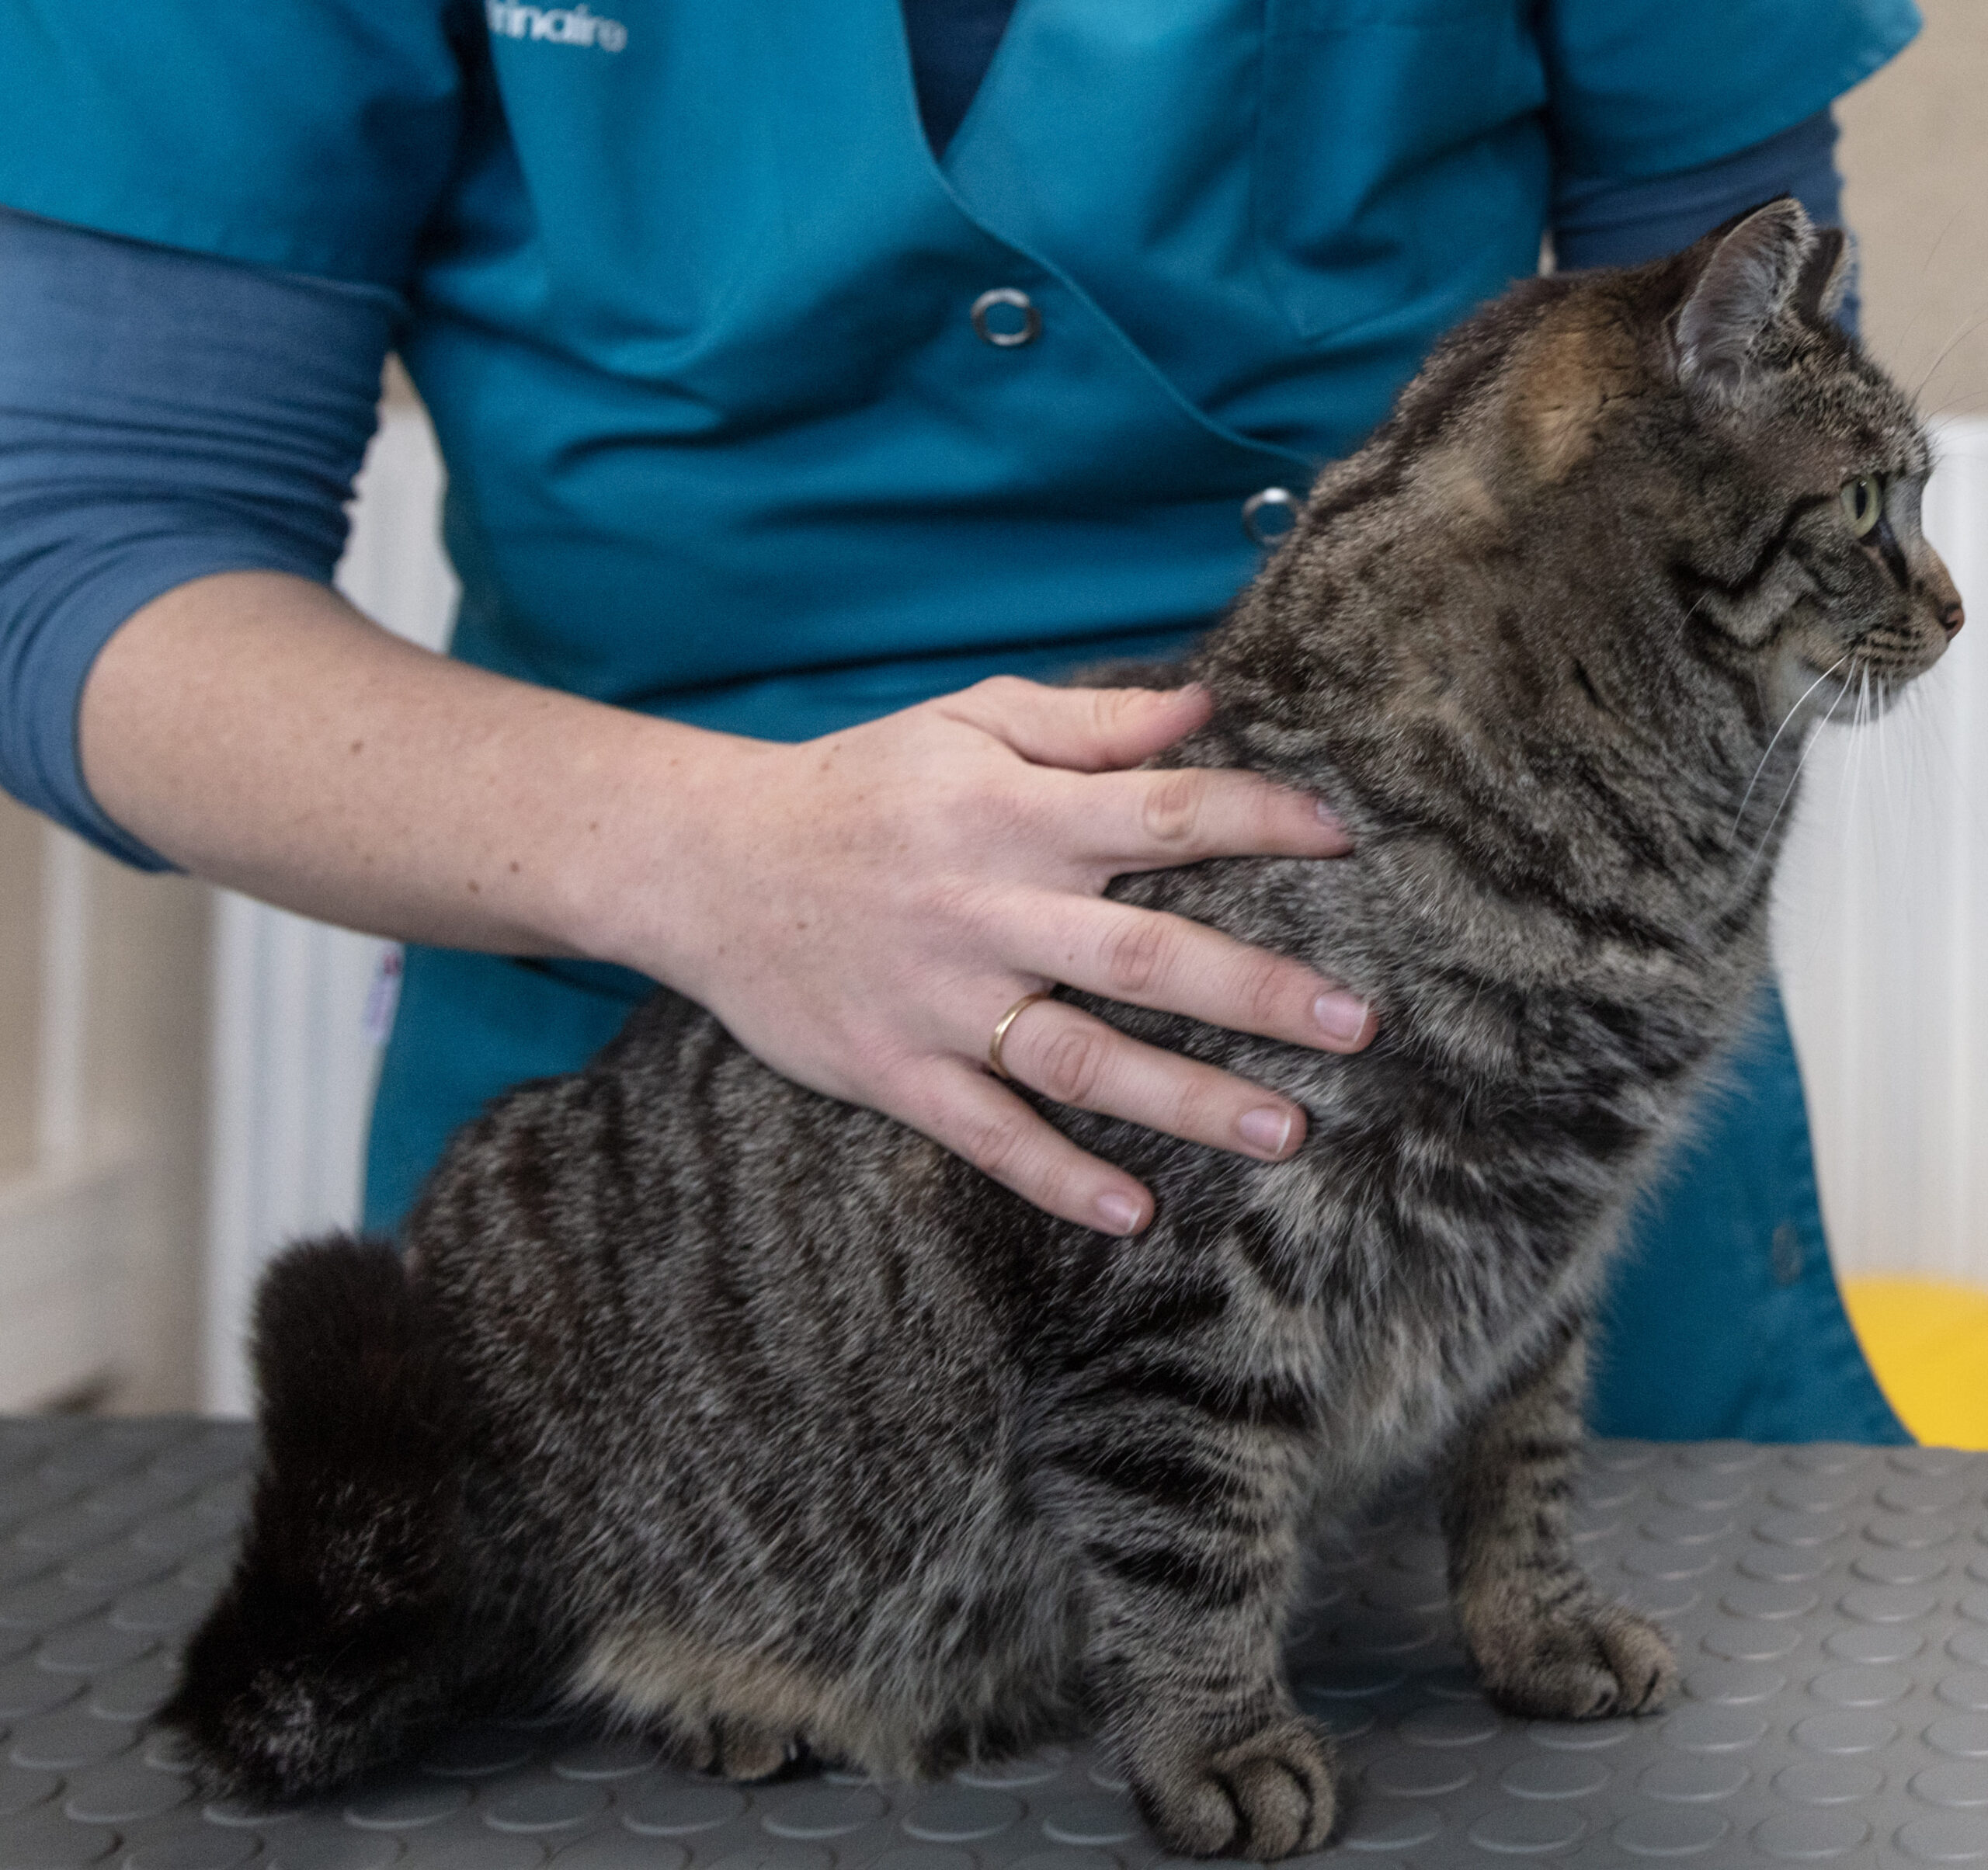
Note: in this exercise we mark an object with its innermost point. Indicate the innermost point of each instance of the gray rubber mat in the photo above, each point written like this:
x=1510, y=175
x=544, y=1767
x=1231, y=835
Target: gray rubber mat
x=1830, y=1604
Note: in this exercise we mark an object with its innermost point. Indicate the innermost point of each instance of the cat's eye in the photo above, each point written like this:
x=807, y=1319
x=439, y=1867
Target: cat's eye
x=1863, y=502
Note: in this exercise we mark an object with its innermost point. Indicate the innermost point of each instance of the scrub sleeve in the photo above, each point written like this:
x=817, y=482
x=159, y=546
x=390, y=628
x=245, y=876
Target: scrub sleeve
x=690, y=305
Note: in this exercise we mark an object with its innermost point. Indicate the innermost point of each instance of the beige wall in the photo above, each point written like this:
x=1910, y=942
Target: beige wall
x=1915, y=159
x=143, y=1097
x=147, y=1083
x=20, y=930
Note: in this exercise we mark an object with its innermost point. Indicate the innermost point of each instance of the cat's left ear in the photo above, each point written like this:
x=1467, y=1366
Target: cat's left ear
x=1824, y=276
x=1751, y=276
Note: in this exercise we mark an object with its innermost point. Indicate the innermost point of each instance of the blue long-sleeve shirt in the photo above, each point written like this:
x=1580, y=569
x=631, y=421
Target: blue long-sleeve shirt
x=164, y=416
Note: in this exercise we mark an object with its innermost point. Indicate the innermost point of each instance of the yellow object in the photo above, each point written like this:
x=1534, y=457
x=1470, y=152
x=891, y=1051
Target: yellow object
x=1928, y=1341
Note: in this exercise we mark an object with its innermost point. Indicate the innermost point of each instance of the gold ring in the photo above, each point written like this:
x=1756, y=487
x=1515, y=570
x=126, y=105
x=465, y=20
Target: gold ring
x=1000, y=1026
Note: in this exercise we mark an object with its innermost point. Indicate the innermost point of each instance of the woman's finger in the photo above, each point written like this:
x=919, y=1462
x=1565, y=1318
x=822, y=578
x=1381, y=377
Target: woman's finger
x=1147, y=958
x=1153, y=820
x=976, y=1117
x=1073, y=1058
x=1089, y=730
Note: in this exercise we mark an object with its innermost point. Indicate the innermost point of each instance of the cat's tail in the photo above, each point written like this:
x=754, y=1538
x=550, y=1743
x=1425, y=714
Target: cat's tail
x=336, y=1643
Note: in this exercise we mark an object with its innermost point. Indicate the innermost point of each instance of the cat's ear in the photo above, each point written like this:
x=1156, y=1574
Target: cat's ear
x=1825, y=274
x=1751, y=274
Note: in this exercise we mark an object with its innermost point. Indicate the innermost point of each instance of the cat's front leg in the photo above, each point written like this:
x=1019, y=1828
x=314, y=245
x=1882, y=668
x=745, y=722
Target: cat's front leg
x=1545, y=1641
x=1188, y=1525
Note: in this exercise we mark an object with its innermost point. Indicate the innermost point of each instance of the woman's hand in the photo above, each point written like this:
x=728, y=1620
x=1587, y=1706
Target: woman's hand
x=860, y=910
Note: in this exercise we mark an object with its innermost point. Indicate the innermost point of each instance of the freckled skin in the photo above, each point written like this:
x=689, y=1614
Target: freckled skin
x=764, y=1422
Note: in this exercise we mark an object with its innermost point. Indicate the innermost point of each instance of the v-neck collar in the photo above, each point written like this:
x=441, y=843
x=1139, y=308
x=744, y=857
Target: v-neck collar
x=993, y=81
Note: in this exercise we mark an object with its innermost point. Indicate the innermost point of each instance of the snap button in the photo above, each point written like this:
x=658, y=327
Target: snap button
x=1005, y=318
x=1268, y=515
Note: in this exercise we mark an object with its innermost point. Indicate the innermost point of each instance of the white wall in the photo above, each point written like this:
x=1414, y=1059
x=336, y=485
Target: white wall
x=1881, y=912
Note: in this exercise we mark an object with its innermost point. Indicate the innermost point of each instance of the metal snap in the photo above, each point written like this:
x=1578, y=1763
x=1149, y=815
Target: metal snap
x=1268, y=515
x=1005, y=300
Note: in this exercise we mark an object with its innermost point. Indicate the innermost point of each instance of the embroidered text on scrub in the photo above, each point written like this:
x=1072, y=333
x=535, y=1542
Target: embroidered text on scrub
x=563, y=25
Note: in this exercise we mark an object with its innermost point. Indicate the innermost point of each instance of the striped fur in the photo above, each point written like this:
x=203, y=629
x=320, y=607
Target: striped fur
x=778, y=1429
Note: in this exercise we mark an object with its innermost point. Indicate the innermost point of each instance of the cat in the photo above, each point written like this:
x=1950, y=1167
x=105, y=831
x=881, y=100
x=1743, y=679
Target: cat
x=760, y=1421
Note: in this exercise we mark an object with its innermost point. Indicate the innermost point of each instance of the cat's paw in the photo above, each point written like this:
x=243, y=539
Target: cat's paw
x=1583, y=1662
x=1265, y=1798
x=731, y=1749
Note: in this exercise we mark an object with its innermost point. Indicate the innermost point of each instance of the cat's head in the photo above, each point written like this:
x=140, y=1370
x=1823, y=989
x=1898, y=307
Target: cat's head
x=1649, y=493
x=1755, y=347
x=1783, y=466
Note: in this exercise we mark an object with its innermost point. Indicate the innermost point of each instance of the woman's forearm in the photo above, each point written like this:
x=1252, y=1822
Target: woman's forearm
x=859, y=910
x=260, y=732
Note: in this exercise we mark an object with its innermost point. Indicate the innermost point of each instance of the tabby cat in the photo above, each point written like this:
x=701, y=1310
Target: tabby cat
x=759, y=1421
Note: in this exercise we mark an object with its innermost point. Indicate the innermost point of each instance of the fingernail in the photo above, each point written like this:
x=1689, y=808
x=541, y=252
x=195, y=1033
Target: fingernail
x=1330, y=819
x=1340, y=1015
x=1266, y=1130
x=1120, y=1214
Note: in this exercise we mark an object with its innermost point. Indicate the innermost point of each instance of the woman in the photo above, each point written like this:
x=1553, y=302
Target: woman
x=794, y=373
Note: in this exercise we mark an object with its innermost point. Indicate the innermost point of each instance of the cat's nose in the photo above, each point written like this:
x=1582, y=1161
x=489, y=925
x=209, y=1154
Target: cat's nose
x=1951, y=618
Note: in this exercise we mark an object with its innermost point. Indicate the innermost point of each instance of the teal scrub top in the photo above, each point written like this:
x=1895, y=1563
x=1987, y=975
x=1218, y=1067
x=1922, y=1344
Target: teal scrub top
x=691, y=307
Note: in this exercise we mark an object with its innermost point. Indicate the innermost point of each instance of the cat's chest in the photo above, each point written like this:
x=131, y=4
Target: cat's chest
x=1396, y=1345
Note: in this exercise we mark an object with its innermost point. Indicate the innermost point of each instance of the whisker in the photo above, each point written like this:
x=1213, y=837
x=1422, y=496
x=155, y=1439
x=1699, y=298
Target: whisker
x=1919, y=310
x=1881, y=747
x=1969, y=326
x=1739, y=816
x=1794, y=778
x=1955, y=405
x=1846, y=773
x=1863, y=760
x=1930, y=735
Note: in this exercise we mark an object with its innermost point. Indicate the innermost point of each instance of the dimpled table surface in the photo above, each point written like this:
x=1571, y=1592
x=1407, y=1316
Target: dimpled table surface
x=1830, y=1605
